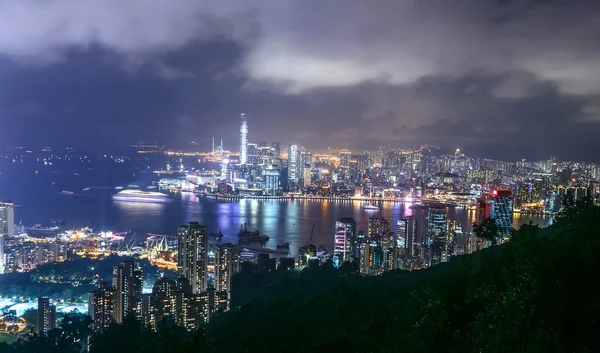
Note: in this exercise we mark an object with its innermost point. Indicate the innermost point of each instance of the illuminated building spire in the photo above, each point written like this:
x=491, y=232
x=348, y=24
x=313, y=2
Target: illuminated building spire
x=243, y=139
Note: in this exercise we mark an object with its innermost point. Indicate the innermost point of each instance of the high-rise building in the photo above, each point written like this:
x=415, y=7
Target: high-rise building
x=192, y=255
x=243, y=139
x=7, y=222
x=272, y=180
x=227, y=263
x=501, y=211
x=127, y=281
x=407, y=235
x=293, y=164
x=276, y=149
x=483, y=210
x=437, y=221
x=46, y=316
x=345, y=241
x=101, y=305
x=304, y=161
x=307, y=175
x=7, y=218
x=345, y=157
x=436, y=242
x=371, y=258
x=378, y=227
x=175, y=301
x=252, y=150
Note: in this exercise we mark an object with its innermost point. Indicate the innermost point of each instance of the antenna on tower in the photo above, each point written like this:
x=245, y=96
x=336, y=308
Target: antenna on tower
x=221, y=143
x=213, y=145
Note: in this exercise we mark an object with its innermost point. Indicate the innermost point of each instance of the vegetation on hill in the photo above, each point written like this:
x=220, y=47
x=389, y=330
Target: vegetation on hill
x=537, y=293
x=69, y=280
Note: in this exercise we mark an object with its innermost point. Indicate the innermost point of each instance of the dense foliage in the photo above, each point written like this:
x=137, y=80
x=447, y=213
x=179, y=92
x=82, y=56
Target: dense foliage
x=536, y=293
x=69, y=280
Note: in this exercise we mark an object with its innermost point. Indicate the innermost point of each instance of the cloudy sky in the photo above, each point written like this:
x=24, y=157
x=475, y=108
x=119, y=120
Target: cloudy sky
x=497, y=78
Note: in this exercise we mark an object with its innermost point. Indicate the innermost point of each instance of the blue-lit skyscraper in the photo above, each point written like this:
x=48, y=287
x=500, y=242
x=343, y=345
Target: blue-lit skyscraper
x=501, y=211
x=243, y=139
x=272, y=180
x=407, y=235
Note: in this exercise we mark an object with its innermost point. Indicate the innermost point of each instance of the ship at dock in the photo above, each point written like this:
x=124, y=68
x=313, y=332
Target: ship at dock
x=248, y=236
x=38, y=231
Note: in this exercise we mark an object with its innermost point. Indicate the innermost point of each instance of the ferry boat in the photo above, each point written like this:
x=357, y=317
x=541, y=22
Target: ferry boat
x=371, y=208
x=140, y=196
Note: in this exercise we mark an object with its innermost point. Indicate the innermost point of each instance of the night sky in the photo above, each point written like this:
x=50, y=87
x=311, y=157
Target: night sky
x=502, y=79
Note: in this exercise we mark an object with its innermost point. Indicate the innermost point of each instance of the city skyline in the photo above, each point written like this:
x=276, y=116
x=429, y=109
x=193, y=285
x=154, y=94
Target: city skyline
x=405, y=73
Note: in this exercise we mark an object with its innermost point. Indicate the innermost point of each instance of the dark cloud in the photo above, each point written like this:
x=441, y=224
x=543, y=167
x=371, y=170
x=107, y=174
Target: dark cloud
x=482, y=75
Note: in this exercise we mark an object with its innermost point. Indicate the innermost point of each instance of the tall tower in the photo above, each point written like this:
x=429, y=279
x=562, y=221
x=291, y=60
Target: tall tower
x=46, y=316
x=293, y=164
x=227, y=263
x=344, y=241
x=192, y=257
x=243, y=139
x=407, y=235
x=501, y=211
x=7, y=223
x=101, y=305
x=127, y=281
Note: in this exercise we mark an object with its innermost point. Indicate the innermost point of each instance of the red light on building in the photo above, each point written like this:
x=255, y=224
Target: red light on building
x=495, y=192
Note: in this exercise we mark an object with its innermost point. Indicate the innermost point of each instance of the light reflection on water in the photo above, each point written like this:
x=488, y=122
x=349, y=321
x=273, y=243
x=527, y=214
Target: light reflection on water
x=281, y=220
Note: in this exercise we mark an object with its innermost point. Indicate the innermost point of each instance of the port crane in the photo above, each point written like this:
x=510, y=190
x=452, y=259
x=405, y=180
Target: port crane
x=312, y=234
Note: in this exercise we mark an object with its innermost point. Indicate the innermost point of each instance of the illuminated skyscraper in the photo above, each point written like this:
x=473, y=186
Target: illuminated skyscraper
x=252, y=151
x=345, y=241
x=276, y=148
x=378, y=227
x=127, y=281
x=371, y=258
x=436, y=218
x=101, y=305
x=243, y=139
x=407, y=235
x=46, y=316
x=272, y=180
x=304, y=160
x=227, y=263
x=293, y=164
x=345, y=157
x=501, y=211
x=7, y=222
x=307, y=179
x=436, y=242
x=192, y=255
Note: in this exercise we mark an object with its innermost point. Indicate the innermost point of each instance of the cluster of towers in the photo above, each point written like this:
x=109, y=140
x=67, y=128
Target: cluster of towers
x=188, y=300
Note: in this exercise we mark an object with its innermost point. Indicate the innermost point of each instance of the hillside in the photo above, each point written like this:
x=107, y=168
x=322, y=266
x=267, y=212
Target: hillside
x=537, y=293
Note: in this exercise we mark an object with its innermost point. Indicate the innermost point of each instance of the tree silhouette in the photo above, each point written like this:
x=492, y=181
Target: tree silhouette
x=487, y=230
